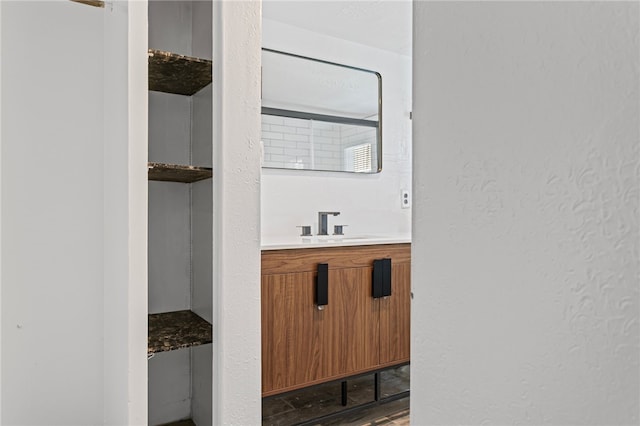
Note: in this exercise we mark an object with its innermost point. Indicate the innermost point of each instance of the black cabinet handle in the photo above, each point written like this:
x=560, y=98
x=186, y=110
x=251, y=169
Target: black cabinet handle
x=386, y=277
x=381, y=280
x=377, y=279
x=322, y=285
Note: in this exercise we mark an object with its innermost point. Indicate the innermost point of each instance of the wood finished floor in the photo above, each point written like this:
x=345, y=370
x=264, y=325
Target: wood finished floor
x=306, y=404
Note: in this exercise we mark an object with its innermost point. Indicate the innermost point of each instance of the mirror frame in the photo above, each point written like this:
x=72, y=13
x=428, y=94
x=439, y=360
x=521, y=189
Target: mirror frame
x=331, y=118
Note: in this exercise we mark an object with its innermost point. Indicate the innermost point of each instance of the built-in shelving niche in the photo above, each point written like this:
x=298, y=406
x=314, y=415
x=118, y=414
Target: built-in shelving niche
x=180, y=329
x=180, y=249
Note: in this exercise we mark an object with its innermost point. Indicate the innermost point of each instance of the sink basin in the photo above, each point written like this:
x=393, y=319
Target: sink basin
x=334, y=241
x=361, y=237
x=339, y=238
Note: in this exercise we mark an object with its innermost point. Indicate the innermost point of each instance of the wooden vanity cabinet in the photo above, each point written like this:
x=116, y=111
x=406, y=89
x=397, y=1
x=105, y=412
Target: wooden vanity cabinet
x=354, y=333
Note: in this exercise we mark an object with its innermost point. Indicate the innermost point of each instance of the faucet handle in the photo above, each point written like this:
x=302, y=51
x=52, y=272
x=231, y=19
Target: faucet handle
x=305, y=230
x=338, y=229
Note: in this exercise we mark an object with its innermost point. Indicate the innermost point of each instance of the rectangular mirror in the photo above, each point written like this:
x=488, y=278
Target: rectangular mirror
x=318, y=115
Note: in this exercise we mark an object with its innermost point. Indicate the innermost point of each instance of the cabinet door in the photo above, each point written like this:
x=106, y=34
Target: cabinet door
x=292, y=341
x=352, y=323
x=302, y=345
x=395, y=317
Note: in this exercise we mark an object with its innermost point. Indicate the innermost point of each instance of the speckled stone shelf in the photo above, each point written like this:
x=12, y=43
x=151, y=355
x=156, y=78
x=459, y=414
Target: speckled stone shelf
x=178, y=173
x=95, y=3
x=176, y=330
x=187, y=422
x=178, y=74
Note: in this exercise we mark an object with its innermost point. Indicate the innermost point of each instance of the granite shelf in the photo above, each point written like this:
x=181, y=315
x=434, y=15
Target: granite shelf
x=178, y=173
x=187, y=422
x=176, y=330
x=178, y=74
x=95, y=3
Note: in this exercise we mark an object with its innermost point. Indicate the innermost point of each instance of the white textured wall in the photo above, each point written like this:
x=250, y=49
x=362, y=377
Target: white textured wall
x=236, y=204
x=526, y=236
x=52, y=214
x=125, y=213
x=73, y=210
x=370, y=204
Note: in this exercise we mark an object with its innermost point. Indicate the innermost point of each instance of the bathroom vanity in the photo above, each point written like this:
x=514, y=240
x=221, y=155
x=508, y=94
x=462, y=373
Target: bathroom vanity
x=356, y=329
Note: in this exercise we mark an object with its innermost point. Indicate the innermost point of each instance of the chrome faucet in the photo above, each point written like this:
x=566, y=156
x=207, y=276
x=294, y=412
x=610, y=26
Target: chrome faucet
x=323, y=228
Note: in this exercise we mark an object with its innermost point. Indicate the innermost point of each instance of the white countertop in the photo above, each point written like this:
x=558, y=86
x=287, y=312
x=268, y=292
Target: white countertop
x=331, y=241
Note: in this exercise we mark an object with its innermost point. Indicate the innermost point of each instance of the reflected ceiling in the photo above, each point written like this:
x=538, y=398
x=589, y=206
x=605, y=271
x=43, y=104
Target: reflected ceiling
x=355, y=20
